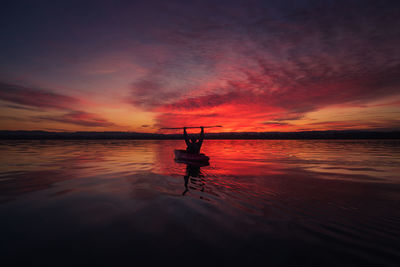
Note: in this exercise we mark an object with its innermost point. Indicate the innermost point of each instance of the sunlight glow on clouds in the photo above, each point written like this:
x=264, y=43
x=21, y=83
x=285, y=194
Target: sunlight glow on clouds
x=248, y=65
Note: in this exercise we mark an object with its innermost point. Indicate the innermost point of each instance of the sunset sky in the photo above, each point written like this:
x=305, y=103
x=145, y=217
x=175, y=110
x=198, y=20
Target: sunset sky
x=246, y=65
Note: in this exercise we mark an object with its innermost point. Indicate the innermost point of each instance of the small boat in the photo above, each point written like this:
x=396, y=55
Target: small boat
x=183, y=155
x=193, y=164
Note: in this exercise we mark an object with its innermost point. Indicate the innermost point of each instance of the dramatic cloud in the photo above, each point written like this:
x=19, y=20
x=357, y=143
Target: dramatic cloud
x=254, y=100
x=249, y=65
x=289, y=61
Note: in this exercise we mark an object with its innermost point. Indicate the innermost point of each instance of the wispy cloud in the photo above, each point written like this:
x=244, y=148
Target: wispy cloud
x=34, y=97
x=34, y=100
x=150, y=94
x=21, y=107
x=79, y=118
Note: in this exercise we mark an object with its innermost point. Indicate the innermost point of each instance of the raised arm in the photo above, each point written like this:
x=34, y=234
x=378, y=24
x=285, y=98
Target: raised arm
x=201, y=135
x=185, y=135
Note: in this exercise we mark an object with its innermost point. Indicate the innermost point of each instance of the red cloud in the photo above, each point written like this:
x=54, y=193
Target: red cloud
x=250, y=103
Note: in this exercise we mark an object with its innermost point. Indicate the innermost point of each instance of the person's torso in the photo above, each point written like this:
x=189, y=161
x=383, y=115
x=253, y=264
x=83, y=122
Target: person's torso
x=194, y=148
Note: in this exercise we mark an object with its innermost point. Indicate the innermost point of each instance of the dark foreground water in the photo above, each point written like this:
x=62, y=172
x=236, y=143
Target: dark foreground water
x=266, y=203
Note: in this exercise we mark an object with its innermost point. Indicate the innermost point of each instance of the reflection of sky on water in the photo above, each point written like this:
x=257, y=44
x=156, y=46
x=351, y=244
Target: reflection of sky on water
x=352, y=159
x=333, y=199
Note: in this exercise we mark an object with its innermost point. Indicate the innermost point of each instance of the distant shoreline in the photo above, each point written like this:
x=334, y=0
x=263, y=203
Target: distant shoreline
x=311, y=135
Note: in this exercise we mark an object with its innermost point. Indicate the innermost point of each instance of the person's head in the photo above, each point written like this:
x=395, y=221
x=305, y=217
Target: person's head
x=193, y=139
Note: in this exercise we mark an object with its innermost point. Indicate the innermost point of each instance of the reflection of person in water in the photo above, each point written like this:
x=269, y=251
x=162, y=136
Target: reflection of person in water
x=195, y=172
x=193, y=144
x=186, y=178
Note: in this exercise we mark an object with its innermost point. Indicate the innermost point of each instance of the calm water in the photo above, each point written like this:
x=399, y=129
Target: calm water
x=261, y=202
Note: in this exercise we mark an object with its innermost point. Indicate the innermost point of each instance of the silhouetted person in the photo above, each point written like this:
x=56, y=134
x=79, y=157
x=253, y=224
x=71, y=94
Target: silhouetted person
x=193, y=144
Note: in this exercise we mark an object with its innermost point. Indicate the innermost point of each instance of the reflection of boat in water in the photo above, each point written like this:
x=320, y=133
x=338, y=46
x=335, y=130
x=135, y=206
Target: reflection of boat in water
x=194, y=174
x=185, y=157
x=193, y=163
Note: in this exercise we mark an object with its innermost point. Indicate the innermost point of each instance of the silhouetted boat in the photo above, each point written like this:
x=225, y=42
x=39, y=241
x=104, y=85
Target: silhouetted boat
x=184, y=156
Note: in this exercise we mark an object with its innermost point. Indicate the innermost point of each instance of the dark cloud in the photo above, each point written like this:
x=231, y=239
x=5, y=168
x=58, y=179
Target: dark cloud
x=273, y=123
x=33, y=97
x=288, y=117
x=150, y=94
x=56, y=130
x=79, y=118
x=21, y=107
x=210, y=101
x=12, y=118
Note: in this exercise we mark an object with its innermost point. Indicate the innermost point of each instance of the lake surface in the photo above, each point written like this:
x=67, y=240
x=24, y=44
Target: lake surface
x=258, y=203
